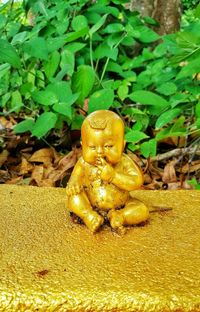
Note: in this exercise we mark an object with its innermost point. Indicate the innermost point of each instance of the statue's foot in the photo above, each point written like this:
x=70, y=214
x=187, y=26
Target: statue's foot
x=116, y=219
x=93, y=221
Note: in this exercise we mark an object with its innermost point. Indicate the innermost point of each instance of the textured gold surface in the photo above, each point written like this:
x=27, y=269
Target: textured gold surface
x=47, y=263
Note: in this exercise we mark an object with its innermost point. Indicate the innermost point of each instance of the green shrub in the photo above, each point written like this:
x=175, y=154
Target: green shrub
x=80, y=50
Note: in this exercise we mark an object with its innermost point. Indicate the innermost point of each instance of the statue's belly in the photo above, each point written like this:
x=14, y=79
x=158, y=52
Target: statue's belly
x=106, y=196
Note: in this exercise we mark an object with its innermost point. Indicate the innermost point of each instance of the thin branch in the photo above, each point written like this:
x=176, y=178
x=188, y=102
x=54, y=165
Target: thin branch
x=177, y=152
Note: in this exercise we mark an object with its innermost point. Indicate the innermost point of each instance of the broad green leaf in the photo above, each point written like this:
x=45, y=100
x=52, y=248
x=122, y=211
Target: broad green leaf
x=20, y=37
x=36, y=47
x=122, y=92
x=145, y=34
x=16, y=101
x=197, y=110
x=166, y=117
x=75, y=46
x=2, y=21
x=103, y=7
x=103, y=50
x=8, y=54
x=79, y=22
x=45, y=97
x=64, y=109
x=43, y=124
x=148, y=149
x=62, y=90
x=75, y=35
x=102, y=99
x=113, y=28
x=77, y=122
x=167, y=133
x=24, y=126
x=167, y=88
x=98, y=25
x=114, y=67
x=177, y=129
x=54, y=44
x=148, y=98
x=190, y=69
x=187, y=40
x=134, y=136
x=67, y=62
x=83, y=81
x=51, y=66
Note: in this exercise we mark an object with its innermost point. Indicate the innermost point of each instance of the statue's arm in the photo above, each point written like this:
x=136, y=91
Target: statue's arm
x=131, y=178
x=75, y=183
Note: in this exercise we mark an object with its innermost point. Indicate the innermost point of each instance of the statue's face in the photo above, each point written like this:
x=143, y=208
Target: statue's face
x=107, y=143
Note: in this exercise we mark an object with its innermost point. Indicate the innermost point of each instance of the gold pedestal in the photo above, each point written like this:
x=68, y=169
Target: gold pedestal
x=48, y=263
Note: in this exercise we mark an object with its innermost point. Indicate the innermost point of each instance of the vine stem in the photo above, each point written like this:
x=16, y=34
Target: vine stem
x=108, y=59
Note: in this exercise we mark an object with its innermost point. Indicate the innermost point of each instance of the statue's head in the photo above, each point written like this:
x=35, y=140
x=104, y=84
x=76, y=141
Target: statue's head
x=102, y=137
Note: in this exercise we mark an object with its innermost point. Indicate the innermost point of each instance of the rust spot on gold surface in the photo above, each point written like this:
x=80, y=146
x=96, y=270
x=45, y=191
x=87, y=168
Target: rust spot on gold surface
x=154, y=268
x=42, y=273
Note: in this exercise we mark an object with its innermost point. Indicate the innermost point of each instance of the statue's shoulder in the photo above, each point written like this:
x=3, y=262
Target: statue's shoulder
x=127, y=159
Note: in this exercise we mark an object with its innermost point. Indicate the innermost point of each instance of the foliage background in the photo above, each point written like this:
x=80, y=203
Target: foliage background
x=61, y=60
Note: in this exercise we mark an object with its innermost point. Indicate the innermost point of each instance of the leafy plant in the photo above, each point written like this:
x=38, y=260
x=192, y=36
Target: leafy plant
x=62, y=60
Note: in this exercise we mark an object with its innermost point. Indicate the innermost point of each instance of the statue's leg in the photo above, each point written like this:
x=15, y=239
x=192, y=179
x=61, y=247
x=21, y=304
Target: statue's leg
x=80, y=205
x=133, y=213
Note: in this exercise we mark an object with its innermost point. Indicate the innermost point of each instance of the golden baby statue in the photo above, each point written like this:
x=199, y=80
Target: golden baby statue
x=103, y=177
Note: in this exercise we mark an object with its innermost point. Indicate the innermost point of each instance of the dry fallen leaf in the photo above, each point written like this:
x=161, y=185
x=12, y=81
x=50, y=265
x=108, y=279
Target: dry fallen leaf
x=169, y=174
x=37, y=174
x=194, y=166
x=44, y=155
x=25, y=166
x=3, y=157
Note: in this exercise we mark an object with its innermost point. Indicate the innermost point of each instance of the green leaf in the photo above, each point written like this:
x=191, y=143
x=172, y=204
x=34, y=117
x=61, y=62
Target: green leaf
x=79, y=22
x=20, y=37
x=75, y=46
x=36, y=47
x=177, y=129
x=43, y=124
x=167, y=88
x=145, y=34
x=67, y=62
x=24, y=126
x=122, y=92
x=103, y=50
x=134, y=136
x=45, y=97
x=113, y=28
x=8, y=54
x=190, y=69
x=2, y=21
x=187, y=40
x=75, y=35
x=148, y=149
x=77, y=122
x=64, y=109
x=148, y=98
x=83, y=81
x=166, y=117
x=197, y=110
x=54, y=44
x=51, y=66
x=16, y=102
x=102, y=99
x=98, y=25
x=62, y=90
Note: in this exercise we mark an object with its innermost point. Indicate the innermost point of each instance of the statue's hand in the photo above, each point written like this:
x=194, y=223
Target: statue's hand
x=73, y=189
x=106, y=171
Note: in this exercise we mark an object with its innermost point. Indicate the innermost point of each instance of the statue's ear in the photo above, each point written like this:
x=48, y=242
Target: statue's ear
x=81, y=142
